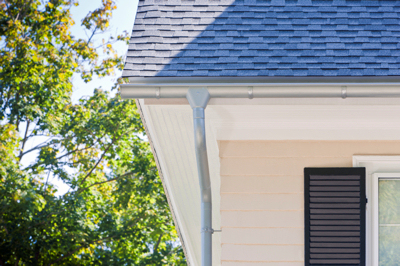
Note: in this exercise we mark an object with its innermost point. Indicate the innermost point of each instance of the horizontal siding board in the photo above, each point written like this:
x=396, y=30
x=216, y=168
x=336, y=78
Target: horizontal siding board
x=262, y=201
x=277, y=166
x=262, y=252
x=262, y=219
x=254, y=174
x=262, y=184
x=306, y=148
x=263, y=236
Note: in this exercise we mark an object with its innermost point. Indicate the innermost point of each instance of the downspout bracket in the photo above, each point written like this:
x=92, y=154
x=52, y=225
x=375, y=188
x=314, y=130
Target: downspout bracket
x=344, y=92
x=209, y=230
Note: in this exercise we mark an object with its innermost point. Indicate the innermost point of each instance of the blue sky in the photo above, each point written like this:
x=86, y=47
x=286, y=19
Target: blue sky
x=122, y=19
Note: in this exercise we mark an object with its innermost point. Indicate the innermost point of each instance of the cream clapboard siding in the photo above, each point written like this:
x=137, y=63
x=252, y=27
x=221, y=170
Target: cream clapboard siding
x=262, y=202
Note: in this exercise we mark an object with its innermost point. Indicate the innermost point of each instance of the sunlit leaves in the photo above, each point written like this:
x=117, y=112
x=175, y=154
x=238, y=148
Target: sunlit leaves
x=115, y=212
x=38, y=55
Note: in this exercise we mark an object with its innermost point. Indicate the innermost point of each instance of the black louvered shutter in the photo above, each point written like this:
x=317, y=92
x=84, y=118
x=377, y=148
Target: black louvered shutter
x=334, y=216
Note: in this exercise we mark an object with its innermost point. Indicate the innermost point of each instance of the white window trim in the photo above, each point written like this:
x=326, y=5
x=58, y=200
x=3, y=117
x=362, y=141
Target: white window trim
x=380, y=166
x=375, y=211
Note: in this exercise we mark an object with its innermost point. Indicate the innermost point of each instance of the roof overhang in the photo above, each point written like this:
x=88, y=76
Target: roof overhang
x=170, y=128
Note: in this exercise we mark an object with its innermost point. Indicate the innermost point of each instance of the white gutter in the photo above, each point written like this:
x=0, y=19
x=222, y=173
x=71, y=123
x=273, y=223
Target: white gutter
x=198, y=96
x=266, y=90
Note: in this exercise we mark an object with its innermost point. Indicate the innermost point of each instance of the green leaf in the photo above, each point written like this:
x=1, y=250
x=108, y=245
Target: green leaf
x=115, y=211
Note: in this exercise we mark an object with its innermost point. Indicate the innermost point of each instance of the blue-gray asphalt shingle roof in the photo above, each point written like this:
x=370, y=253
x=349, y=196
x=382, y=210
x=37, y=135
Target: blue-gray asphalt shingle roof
x=220, y=38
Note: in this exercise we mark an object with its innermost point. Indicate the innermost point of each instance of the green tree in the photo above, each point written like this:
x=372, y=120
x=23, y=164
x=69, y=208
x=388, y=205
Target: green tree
x=115, y=212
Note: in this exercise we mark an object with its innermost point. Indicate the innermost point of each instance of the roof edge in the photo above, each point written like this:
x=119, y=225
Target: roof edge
x=227, y=80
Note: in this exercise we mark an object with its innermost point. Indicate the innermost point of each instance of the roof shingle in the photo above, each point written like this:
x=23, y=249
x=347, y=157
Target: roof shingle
x=199, y=38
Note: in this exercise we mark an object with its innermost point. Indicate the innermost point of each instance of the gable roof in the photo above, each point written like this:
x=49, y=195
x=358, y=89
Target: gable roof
x=248, y=38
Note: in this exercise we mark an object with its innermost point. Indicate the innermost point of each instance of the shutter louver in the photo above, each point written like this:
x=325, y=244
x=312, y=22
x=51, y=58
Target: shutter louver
x=334, y=216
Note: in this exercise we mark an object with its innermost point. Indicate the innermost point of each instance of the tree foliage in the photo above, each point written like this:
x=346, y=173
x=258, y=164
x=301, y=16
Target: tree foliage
x=115, y=212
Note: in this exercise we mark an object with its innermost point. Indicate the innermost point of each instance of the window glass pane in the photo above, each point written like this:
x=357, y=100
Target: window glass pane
x=389, y=222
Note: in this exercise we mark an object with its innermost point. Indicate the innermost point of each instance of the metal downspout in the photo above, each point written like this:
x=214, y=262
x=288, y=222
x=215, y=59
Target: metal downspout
x=198, y=99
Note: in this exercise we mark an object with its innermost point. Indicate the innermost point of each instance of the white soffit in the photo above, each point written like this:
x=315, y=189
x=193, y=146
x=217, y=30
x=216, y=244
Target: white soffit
x=171, y=128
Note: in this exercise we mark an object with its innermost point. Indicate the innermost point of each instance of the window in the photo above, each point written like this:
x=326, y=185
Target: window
x=383, y=208
x=337, y=218
x=386, y=218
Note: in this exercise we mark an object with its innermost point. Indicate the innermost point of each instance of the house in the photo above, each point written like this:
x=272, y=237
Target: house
x=302, y=125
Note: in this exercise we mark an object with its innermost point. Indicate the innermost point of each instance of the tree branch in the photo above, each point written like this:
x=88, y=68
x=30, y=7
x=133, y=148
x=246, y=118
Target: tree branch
x=99, y=183
x=47, y=180
x=91, y=36
x=71, y=152
x=24, y=140
x=41, y=145
x=48, y=143
x=101, y=158
x=158, y=243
